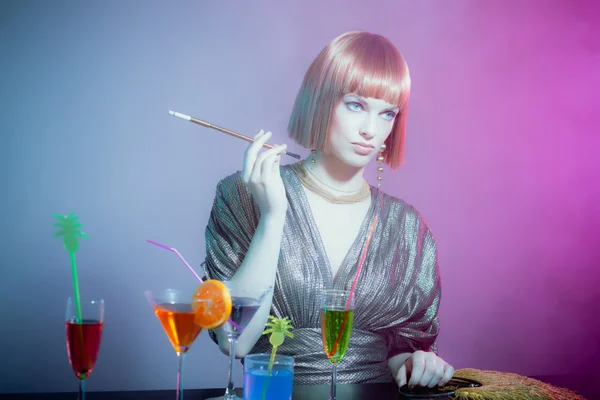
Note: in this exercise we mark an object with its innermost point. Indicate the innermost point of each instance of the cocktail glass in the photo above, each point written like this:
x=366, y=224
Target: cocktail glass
x=337, y=309
x=260, y=383
x=84, y=337
x=245, y=303
x=173, y=309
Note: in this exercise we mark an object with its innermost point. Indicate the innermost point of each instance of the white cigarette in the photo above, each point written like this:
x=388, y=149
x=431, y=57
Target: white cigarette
x=179, y=115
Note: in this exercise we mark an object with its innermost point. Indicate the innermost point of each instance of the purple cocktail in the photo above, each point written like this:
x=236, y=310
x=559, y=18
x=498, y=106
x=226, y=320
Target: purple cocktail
x=245, y=303
x=242, y=311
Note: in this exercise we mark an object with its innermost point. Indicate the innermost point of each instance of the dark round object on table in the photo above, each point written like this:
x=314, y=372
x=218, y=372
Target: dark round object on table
x=444, y=392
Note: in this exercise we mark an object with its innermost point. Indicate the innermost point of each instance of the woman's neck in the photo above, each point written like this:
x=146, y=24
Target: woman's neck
x=333, y=173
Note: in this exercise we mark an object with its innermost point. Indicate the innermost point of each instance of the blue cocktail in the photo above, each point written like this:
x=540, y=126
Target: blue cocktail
x=262, y=384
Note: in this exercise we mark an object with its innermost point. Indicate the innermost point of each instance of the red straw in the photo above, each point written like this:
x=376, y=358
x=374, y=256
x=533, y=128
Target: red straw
x=362, y=260
x=360, y=264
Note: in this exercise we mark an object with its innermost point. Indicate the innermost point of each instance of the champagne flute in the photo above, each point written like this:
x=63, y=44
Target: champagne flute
x=337, y=310
x=84, y=334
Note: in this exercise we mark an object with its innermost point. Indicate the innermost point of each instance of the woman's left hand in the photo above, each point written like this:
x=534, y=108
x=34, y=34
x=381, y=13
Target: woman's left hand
x=424, y=369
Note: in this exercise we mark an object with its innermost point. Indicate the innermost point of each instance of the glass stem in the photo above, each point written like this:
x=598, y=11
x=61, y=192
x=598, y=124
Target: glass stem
x=180, y=358
x=229, y=392
x=333, y=382
x=81, y=394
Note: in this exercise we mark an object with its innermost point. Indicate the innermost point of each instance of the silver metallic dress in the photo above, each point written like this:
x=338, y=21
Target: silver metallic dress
x=397, y=295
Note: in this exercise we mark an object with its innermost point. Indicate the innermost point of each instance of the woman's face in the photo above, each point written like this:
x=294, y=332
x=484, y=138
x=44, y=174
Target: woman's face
x=359, y=127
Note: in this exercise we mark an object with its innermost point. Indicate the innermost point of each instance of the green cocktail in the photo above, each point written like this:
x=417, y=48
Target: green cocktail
x=337, y=311
x=336, y=323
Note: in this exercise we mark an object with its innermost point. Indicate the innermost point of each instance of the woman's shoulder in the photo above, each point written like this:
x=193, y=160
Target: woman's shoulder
x=233, y=180
x=395, y=203
x=231, y=188
x=402, y=210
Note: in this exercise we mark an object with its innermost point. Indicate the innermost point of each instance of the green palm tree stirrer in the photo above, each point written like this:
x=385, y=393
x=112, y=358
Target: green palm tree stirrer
x=69, y=230
x=279, y=328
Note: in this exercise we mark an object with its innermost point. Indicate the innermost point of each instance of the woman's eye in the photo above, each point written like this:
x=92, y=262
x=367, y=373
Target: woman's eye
x=354, y=106
x=389, y=115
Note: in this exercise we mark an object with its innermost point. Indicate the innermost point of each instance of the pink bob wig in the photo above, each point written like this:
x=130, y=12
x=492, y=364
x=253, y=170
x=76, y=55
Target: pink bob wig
x=358, y=62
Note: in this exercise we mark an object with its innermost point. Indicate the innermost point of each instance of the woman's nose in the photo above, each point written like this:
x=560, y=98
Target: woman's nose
x=369, y=128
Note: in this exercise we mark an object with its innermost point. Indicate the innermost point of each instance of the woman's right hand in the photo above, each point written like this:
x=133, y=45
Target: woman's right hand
x=261, y=176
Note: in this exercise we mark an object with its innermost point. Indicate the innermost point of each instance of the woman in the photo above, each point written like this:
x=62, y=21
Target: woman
x=301, y=228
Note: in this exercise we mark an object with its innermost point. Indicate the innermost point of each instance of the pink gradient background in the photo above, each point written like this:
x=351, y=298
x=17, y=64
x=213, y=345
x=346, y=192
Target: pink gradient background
x=502, y=160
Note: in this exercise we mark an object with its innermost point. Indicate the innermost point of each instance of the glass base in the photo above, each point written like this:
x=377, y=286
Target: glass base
x=223, y=398
x=220, y=398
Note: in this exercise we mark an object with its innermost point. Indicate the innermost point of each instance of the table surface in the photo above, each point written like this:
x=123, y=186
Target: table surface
x=586, y=385
x=344, y=392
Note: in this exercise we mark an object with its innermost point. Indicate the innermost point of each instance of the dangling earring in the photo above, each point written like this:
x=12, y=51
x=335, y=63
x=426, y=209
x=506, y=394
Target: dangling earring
x=380, y=160
x=313, y=152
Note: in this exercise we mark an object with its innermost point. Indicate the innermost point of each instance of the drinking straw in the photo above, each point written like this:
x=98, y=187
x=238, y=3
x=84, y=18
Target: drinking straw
x=362, y=261
x=174, y=250
x=69, y=230
x=360, y=264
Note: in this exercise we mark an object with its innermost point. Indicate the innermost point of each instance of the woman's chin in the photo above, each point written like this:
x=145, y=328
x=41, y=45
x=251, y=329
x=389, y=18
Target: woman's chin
x=356, y=160
x=351, y=159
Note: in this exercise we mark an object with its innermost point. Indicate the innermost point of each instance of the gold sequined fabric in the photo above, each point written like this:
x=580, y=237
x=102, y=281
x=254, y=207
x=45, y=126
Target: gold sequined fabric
x=397, y=295
x=508, y=386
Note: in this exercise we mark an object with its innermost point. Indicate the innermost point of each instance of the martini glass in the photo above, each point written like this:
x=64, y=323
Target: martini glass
x=174, y=311
x=83, y=338
x=337, y=310
x=245, y=303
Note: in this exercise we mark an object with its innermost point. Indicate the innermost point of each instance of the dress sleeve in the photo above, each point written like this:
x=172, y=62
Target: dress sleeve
x=231, y=226
x=420, y=326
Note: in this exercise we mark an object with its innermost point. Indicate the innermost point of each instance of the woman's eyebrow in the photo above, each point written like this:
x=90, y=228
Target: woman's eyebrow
x=364, y=100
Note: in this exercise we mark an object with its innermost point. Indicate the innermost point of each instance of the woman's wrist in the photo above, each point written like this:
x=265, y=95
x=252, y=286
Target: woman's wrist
x=273, y=219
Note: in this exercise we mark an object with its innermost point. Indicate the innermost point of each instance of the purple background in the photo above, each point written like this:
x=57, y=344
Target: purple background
x=502, y=160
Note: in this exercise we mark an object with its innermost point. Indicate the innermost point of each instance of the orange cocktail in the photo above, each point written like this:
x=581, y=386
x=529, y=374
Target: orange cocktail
x=174, y=311
x=183, y=316
x=177, y=319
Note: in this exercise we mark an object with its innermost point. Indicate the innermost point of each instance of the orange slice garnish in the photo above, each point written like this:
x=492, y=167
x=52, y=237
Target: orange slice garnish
x=212, y=304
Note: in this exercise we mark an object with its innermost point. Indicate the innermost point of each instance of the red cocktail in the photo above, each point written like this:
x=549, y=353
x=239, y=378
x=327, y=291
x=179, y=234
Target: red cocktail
x=84, y=335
